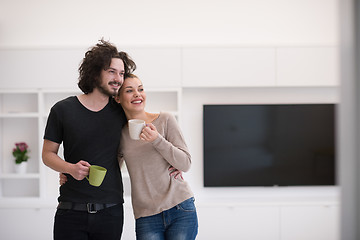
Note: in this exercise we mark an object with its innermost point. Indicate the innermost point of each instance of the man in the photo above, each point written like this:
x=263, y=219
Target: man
x=89, y=126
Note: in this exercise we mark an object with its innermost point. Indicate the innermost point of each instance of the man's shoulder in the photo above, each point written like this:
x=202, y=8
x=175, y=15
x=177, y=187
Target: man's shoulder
x=65, y=101
x=66, y=104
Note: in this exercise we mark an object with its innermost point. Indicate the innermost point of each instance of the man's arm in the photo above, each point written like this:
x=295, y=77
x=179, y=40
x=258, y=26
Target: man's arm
x=51, y=159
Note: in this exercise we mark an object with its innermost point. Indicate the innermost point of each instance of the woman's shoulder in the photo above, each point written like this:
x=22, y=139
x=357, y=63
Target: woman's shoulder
x=166, y=116
x=162, y=117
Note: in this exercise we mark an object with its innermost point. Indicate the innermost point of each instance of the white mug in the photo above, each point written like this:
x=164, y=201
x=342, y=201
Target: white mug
x=135, y=128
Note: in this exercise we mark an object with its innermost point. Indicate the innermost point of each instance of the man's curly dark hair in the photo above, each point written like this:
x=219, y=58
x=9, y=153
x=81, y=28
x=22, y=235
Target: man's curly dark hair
x=99, y=58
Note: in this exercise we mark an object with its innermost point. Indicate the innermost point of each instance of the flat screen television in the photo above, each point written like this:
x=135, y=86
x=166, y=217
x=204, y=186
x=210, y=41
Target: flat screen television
x=269, y=145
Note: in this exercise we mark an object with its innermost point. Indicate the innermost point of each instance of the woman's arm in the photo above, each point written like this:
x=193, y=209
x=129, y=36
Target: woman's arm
x=172, y=147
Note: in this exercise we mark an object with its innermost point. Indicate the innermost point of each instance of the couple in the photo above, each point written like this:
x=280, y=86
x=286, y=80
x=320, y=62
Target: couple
x=91, y=127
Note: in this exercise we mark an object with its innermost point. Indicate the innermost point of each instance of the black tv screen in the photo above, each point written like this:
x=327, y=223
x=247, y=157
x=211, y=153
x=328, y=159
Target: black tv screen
x=269, y=145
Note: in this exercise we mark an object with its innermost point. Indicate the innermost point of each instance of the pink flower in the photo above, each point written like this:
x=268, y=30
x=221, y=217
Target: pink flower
x=20, y=152
x=22, y=146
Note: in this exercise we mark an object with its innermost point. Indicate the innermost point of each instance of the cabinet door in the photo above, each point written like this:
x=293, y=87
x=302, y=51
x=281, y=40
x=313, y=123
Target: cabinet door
x=36, y=223
x=39, y=68
x=245, y=222
x=307, y=66
x=228, y=67
x=157, y=67
x=310, y=222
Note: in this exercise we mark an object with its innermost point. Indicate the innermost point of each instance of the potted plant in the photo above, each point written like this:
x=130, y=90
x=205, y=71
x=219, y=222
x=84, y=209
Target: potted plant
x=20, y=152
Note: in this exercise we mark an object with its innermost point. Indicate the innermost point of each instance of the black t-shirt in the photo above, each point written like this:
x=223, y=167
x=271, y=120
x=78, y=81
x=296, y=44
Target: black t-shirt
x=93, y=137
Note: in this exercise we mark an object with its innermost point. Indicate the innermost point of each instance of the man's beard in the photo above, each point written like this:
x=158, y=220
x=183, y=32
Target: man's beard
x=106, y=91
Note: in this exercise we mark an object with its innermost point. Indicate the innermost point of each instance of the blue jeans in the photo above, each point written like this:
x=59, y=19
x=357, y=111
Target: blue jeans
x=177, y=223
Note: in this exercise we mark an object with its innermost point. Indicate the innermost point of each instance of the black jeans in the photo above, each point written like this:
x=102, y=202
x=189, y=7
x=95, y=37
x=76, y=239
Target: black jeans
x=81, y=225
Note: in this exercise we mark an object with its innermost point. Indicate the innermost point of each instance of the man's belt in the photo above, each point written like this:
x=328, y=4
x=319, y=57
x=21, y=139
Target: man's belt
x=88, y=207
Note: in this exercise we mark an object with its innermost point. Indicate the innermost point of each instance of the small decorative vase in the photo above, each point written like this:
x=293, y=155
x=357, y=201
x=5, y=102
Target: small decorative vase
x=21, y=167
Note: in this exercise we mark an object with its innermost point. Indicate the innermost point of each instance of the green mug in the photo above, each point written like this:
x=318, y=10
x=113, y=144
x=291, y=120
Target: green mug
x=96, y=175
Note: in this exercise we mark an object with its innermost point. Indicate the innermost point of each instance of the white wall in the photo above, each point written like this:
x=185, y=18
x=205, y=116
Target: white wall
x=45, y=23
x=282, y=24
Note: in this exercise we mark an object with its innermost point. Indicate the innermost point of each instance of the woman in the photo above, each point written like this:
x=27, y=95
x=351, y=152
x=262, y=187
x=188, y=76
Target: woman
x=163, y=205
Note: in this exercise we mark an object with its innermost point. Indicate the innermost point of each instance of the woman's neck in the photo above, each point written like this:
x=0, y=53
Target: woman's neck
x=146, y=116
x=136, y=115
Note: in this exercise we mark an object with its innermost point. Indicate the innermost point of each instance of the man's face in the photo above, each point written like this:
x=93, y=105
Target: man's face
x=112, y=78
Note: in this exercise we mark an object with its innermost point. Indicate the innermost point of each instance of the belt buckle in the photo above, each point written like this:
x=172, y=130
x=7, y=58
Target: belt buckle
x=91, y=208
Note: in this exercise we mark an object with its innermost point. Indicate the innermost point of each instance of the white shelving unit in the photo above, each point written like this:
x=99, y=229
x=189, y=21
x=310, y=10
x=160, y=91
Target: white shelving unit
x=19, y=121
x=23, y=116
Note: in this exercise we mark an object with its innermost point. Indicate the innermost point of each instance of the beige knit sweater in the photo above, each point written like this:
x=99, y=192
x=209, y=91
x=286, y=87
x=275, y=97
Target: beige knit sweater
x=152, y=189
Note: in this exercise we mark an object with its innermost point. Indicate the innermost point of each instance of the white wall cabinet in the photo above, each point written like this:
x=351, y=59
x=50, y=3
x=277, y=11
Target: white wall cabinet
x=216, y=221
x=323, y=225
x=157, y=67
x=238, y=222
x=228, y=67
x=39, y=68
x=169, y=67
x=260, y=67
x=269, y=221
x=307, y=66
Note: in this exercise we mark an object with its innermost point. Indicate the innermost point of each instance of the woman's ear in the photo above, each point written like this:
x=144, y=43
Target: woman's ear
x=117, y=98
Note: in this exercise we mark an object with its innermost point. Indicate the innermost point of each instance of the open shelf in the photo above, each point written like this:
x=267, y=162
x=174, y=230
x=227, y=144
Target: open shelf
x=19, y=187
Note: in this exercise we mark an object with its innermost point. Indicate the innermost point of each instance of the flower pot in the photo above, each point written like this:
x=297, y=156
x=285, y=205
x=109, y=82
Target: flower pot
x=21, y=167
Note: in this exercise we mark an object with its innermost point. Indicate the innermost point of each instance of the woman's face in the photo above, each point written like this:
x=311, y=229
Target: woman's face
x=132, y=96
